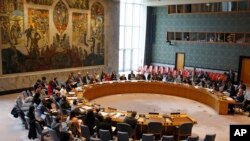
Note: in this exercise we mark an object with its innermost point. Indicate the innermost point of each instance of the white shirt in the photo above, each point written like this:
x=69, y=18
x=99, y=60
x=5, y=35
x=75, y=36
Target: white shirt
x=247, y=96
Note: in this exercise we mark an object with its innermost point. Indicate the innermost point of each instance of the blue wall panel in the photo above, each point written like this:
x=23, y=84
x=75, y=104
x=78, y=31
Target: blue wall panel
x=220, y=56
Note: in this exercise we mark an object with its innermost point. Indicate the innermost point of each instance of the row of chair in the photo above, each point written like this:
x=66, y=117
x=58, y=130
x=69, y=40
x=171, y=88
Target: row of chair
x=185, y=73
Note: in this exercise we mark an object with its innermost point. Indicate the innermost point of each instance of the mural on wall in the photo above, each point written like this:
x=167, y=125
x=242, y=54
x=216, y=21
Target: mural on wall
x=11, y=23
x=37, y=33
x=96, y=56
x=61, y=16
x=30, y=49
x=80, y=28
x=79, y=4
x=40, y=2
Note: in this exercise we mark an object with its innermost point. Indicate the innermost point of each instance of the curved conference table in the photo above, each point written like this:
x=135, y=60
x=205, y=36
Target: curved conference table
x=216, y=100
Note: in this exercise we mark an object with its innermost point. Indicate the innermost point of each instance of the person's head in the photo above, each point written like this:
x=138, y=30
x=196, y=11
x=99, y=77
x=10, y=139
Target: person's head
x=39, y=89
x=97, y=110
x=38, y=81
x=72, y=114
x=133, y=114
x=75, y=102
x=90, y=113
x=44, y=78
x=243, y=87
x=64, y=98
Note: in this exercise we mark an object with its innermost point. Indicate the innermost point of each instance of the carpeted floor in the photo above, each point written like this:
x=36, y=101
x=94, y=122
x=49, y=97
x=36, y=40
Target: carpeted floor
x=208, y=120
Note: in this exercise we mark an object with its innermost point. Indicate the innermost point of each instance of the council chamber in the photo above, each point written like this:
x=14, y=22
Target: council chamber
x=75, y=70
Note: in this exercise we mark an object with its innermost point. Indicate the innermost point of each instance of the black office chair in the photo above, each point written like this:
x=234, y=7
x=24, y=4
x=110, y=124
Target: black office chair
x=192, y=138
x=167, y=138
x=147, y=137
x=105, y=135
x=155, y=128
x=40, y=131
x=124, y=127
x=85, y=132
x=123, y=136
x=210, y=137
x=184, y=130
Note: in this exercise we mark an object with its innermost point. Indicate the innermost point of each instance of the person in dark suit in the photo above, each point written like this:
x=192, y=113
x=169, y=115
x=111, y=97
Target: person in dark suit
x=113, y=76
x=32, y=130
x=131, y=120
x=86, y=79
x=64, y=103
x=123, y=77
x=36, y=99
x=90, y=121
x=240, y=96
x=131, y=75
x=98, y=115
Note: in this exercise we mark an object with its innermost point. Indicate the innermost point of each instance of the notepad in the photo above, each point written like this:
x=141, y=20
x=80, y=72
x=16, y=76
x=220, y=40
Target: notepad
x=72, y=93
x=82, y=110
x=104, y=114
x=117, y=115
x=72, y=98
x=87, y=107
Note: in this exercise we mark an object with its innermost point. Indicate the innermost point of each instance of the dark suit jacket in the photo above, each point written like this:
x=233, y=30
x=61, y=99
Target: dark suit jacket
x=240, y=98
x=131, y=76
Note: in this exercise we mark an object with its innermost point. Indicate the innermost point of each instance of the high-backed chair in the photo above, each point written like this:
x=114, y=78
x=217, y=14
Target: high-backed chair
x=124, y=127
x=85, y=132
x=167, y=138
x=105, y=135
x=48, y=119
x=40, y=131
x=22, y=117
x=210, y=137
x=29, y=92
x=155, y=128
x=192, y=138
x=62, y=111
x=27, y=119
x=184, y=130
x=123, y=136
x=147, y=137
x=25, y=95
x=23, y=106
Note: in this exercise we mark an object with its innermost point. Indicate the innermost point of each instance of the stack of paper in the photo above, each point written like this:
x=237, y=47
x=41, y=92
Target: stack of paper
x=86, y=107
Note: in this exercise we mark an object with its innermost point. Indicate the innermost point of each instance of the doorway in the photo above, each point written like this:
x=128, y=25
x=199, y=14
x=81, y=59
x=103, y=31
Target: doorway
x=180, y=61
x=244, y=70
